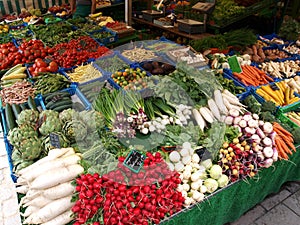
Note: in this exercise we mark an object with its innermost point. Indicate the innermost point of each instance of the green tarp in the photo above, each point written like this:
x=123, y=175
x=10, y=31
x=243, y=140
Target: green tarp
x=229, y=204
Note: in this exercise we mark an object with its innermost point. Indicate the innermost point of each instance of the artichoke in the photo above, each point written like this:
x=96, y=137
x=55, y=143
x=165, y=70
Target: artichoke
x=28, y=116
x=51, y=122
x=30, y=148
x=75, y=130
x=18, y=134
x=66, y=115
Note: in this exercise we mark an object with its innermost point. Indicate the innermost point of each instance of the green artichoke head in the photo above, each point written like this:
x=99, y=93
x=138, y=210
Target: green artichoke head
x=18, y=134
x=75, y=130
x=28, y=116
x=49, y=122
x=31, y=148
x=66, y=115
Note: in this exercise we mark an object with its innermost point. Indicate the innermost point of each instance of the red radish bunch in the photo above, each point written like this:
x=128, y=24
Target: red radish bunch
x=90, y=197
x=116, y=199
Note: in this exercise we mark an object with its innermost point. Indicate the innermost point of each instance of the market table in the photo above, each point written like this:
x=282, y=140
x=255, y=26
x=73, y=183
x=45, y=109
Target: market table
x=230, y=203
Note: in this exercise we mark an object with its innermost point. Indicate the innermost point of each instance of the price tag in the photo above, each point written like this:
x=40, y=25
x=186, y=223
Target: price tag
x=134, y=161
x=54, y=140
x=200, y=152
x=274, y=87
x=234, y=64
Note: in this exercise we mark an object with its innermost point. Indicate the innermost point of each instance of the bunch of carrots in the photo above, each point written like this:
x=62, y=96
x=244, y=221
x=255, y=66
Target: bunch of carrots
x=253, y=76
x=284, y=141
x=279, y=93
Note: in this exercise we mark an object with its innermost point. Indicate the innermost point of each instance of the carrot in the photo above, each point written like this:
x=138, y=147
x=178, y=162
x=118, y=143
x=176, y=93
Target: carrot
x=281, y=153
x=281, y=129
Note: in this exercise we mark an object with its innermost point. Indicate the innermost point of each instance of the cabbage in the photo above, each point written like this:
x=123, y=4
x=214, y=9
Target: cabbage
x=215, y=172
x=211, y=185
x=223, y=180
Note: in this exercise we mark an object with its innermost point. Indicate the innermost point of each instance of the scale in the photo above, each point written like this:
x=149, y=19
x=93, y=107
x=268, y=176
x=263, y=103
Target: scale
x=204, y=8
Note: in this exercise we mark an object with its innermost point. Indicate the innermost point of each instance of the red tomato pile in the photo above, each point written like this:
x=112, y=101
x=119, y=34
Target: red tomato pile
x=40, y=66
x=9, y=56
x=77, y=51
x=110, y=197
x=27, y=52
x=32, y=50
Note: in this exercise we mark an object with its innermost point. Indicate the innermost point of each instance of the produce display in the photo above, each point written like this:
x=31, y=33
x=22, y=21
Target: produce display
x=156, y=139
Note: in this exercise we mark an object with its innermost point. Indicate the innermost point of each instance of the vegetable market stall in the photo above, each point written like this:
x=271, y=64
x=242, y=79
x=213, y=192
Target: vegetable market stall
x=146, y=154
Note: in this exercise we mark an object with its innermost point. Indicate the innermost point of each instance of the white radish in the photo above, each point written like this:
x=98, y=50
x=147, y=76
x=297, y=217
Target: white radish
x=206, y=114
x=52, y=154
x=199, y=119
x=59, y=191
x=50, y=165
x=29, y=210
x=268, y=152
x=23, y=189
x=219, y=101
x=234, y=113
x=56, y=176
x=50, y=211
x=214, y=109
x=63, y=218
x=39, y=202
x=232, y=99
x=174, y=156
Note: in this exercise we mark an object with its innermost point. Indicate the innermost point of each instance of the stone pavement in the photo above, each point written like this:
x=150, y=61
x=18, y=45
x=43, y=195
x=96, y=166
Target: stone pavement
x=282, y=208
x=9, y=213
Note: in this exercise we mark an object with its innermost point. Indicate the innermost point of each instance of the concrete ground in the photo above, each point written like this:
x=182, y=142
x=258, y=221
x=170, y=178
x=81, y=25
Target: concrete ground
x=282, y=208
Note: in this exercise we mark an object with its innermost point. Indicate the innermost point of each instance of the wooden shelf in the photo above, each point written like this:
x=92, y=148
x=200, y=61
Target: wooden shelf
x=172, y=29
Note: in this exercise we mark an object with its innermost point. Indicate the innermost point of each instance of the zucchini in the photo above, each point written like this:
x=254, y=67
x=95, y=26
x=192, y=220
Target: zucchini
x=24, y=106
x=60, y=94
x=50, y=103
x=62, y=107
x=10, y=118
x=60, y=103
x=16, y=108
x=31, y=103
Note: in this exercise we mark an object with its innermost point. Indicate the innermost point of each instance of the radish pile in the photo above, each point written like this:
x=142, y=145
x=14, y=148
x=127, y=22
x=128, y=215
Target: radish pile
x=111, y=200
x=48, y=189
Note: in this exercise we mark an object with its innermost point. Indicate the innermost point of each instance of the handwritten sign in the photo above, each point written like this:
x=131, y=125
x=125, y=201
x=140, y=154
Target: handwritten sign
x=134, y=161
x=54, y=140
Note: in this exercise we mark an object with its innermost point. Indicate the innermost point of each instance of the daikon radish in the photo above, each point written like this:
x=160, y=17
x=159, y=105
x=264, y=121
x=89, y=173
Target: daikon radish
x=52, y=154
x=59, y=191
x=39, y=202
x=199, y=119
x=63, y=218
x=50, y=211
x=57, y=176
x=50, y=165
x=31, y=194
x=23, y=189
x=29, y=210
x=214, y=108
x=219, y=101
x=206, y=114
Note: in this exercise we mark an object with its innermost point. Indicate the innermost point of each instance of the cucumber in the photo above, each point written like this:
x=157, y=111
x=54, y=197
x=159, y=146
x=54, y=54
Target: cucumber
x=61, y=103
x=24, y=106
x=31, y=103
x=60, y=94
x=10, y=118
x=50, y=103
x=62, y=107
x=16, y=108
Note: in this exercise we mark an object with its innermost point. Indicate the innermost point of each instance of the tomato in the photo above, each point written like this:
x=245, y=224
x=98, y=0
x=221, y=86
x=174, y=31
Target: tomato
x=53, y=67
x=42, y=69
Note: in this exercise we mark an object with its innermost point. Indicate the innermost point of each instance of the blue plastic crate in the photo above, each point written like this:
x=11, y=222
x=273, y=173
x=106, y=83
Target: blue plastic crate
x=134, y=66
x=9, y=150
x=38, y=103
x=76, y=96
x=108, y=40
x=227, y=73
x=104, y=69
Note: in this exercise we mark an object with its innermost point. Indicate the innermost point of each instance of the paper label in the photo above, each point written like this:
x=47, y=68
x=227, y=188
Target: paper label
x=134, y=161
x=234, y=64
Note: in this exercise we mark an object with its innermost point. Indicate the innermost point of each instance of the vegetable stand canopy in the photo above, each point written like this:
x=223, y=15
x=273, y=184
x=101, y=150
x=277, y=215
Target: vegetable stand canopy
x=228, y=204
